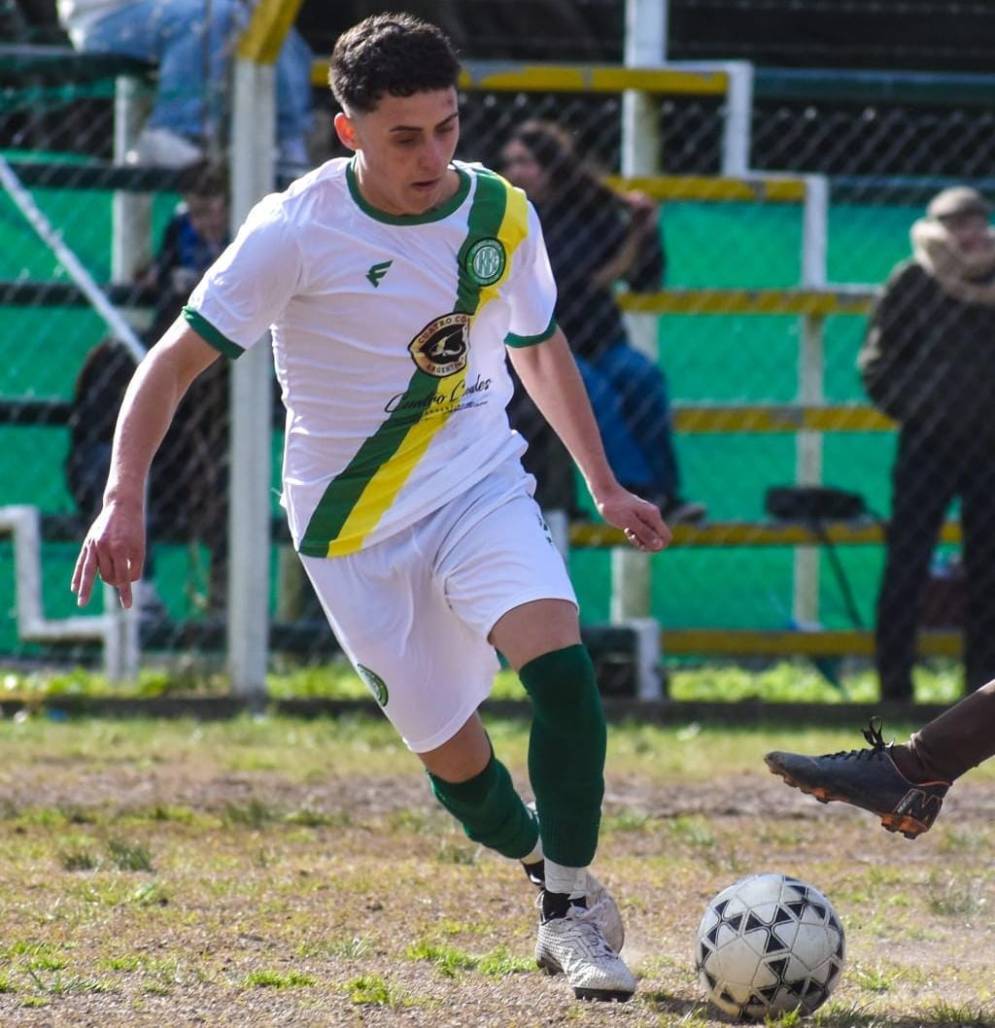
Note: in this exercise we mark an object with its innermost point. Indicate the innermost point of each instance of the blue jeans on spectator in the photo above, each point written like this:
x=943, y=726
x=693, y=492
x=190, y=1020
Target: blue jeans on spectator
x=194, y=58
x=628, y=392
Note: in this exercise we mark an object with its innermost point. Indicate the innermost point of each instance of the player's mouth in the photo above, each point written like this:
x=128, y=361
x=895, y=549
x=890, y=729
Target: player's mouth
x=427, y=186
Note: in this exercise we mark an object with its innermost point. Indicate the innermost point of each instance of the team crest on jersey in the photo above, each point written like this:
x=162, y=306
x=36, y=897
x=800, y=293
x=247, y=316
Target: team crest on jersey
x=440, y=348
x=485, y=261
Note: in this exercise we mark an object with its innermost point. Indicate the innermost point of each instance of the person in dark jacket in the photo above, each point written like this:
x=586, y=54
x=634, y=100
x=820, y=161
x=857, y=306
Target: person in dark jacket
x=187, y=496
x=596, y=238
x=928, y=361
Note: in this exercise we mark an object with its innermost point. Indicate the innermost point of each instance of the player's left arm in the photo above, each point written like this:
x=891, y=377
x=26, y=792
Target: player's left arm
x=541, y=356
x=549, y=374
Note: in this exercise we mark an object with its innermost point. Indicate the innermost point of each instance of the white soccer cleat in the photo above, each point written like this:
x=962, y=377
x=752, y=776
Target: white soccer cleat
x=599, y=901
x=575, y=946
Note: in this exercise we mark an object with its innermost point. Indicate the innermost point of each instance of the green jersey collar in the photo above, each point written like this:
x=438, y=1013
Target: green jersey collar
x=435, y=214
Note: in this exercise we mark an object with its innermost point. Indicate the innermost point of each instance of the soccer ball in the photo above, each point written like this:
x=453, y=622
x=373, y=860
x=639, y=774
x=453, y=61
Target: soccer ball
x=767, y=945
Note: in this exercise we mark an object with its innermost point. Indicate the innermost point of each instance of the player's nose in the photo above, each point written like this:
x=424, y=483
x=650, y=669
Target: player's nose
x=434, y=159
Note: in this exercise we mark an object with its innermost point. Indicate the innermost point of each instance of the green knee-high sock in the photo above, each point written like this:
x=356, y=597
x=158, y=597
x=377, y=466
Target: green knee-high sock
x=566, y=753
x=490, y=810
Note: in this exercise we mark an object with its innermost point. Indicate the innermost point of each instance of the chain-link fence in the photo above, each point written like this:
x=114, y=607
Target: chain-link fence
x=748, y=284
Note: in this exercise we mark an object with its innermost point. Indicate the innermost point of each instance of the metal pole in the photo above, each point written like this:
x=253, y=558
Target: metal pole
x=646, y=47
x=131, y=213
x=811, y=368
x=252, y=170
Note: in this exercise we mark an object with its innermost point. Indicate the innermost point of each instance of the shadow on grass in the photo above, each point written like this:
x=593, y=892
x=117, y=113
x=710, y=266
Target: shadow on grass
x=939, y=1016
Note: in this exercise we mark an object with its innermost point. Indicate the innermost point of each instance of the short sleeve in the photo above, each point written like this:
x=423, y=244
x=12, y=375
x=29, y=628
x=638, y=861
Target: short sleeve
x=249, y=285
x=533, y=290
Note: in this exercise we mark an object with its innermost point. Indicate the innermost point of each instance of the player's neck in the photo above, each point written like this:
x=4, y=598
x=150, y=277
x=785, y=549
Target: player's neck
x=377, y=199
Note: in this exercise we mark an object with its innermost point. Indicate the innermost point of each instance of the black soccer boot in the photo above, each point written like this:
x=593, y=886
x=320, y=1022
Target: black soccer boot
x=866, y=778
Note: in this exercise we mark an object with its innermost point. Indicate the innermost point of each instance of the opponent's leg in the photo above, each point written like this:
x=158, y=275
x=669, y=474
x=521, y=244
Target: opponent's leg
x=951, y=744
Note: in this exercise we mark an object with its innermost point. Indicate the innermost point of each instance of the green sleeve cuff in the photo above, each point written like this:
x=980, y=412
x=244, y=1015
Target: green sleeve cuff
x=211, y=335
x=518, y=341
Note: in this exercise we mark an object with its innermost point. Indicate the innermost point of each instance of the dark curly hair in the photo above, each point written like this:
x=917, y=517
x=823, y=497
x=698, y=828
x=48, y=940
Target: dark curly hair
x=390, y=53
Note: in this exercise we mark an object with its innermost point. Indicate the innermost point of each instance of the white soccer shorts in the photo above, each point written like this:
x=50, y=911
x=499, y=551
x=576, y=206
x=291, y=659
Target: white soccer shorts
x=413, y=612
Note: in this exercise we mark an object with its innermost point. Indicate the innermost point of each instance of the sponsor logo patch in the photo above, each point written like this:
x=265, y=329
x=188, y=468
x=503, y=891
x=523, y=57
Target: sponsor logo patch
x=440, y=348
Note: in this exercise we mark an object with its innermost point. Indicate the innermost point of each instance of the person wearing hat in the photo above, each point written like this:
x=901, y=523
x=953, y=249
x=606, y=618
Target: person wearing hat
x=928, y=362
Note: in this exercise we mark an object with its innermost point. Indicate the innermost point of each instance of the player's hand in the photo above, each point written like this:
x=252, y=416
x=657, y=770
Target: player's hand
x=114, y=548
x=639, y=519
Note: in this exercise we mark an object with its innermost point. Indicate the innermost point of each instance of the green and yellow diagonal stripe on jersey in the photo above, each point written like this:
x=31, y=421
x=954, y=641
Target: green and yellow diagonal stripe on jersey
x=357, y=498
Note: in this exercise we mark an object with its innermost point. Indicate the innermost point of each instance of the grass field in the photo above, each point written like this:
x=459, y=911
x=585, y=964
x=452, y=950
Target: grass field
x=285, y=872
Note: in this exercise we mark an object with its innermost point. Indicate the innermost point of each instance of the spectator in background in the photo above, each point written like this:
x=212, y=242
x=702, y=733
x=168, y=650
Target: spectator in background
x=929, y=362
x=596, y=238
x=192, y=42
x=187, y=498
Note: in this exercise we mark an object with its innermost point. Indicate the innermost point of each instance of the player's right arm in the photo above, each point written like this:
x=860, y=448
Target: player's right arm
x=114, y=546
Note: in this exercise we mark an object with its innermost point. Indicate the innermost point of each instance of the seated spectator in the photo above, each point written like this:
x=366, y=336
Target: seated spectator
x=596, y=238
x=193, y=43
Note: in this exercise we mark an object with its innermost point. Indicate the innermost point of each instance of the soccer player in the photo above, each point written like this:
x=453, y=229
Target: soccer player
x=903, y=785
x=395, y=283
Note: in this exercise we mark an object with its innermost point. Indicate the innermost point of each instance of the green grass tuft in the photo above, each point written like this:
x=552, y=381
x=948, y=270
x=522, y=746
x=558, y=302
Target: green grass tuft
x=78, y=859
x=126, y=856
x=373, y=990
x=448, y=960
x=277, y=980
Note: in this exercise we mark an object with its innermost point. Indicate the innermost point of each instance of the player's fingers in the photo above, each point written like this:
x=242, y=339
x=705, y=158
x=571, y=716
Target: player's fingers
x=83, y=575
x=113, y=566
x=649, y=529
x=652, y=519
x=642, y=536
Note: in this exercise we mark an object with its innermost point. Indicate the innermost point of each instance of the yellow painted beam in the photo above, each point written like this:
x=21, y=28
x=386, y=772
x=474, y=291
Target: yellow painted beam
x=819, y=302
x=268, y=26
x=720, y=534
x=747, y=418
x=745, y=643
x=497, y=77
x=714, y=189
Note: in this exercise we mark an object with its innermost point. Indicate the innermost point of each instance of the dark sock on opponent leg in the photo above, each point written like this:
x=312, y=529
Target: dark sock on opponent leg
x=566, y=753
x=959, y=739
x=490, y=810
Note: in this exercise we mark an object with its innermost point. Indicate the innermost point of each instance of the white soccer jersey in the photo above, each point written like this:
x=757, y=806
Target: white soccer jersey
x=388, y=337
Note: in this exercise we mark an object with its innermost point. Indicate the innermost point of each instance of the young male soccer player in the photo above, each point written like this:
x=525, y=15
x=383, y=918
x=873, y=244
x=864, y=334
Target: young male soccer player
x=393, y=282
x=903, y=785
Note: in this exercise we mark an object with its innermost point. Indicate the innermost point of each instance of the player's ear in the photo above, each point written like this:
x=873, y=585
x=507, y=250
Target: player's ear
x=345, y=129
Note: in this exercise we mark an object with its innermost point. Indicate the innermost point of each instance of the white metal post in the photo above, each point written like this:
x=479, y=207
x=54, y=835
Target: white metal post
x=811, y=368
x=252, y=169
x=738, y=128
x=131, y=250
x=645, y=47
x=131, y=213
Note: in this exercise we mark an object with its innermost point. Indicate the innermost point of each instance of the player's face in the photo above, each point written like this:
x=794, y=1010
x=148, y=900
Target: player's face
x=404, y=148
x=970, y=231
x=523, y=170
